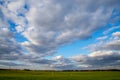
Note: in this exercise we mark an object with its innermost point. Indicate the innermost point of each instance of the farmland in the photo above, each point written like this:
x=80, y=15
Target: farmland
x=58, y=75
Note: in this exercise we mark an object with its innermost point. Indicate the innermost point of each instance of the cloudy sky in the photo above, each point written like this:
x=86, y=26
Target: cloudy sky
x=60, y=34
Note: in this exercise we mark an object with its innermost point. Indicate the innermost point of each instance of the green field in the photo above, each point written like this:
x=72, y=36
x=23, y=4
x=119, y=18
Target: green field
x=42, y=75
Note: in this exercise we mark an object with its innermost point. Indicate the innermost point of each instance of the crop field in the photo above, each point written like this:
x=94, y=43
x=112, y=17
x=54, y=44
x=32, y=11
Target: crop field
x=51, y=75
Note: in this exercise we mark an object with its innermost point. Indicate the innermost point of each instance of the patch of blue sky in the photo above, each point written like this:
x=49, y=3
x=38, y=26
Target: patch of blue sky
x=1, y=2
x=18, y=36
x=12, y=26
x=26, y=7
x=74, y=48
x=21, y=14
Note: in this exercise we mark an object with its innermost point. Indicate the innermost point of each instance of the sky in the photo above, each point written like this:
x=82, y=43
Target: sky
x=60, y=34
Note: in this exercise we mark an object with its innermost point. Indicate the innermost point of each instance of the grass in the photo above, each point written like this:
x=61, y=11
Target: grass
x=42, y=75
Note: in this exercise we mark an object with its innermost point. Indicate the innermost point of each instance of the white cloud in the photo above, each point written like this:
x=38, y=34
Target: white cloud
x=14, y=6
x=100, y=53
x=116, y=35
x=102, y=38
x=57, y=57
x=20, y=29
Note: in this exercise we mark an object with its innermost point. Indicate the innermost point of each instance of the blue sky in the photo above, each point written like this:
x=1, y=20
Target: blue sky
x=66, y=34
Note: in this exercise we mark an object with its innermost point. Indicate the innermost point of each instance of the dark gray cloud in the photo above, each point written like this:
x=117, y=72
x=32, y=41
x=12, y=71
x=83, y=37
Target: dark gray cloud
x=99, y=59
x=62, y=63
x=9, y=48
x=42, y=61
x=111, y=45
x=8, y=63
x=114, y=45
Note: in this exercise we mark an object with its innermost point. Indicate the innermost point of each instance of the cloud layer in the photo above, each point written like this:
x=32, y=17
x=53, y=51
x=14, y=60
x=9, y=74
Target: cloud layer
x=49, y=24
